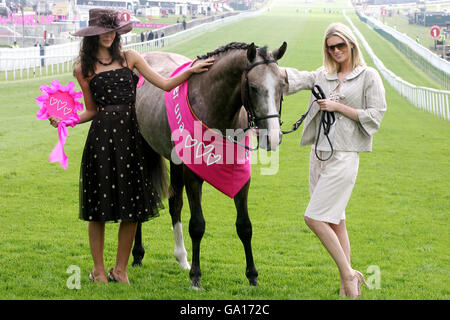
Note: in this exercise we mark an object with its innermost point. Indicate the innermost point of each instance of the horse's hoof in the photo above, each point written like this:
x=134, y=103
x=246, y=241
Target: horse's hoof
x=137, y=263
x=184, y=265
x=253, y=282
x=252, y=276
x=196, y=284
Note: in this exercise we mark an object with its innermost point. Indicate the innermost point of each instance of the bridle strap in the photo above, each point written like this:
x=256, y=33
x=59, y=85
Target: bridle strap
x=253, y=119
x=247, y=103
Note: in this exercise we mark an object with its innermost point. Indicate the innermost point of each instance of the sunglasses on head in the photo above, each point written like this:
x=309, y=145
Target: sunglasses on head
x=338, y=46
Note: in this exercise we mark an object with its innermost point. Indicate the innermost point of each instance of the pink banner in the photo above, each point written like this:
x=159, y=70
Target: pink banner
x=223, y=164
x=149, y=25
x=31, y=19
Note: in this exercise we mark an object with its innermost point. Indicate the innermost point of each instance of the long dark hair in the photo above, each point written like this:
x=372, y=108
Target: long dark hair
x=88, y=54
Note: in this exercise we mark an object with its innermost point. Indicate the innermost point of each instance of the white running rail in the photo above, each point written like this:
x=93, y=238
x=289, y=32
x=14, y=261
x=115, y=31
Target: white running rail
x=427, y=54
x=61, y=58
x=431, y=100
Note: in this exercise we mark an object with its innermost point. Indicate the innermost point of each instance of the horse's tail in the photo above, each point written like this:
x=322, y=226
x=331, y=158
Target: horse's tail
x=159, y=174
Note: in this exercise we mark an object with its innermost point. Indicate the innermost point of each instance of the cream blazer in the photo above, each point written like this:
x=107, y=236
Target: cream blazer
x=361, y=89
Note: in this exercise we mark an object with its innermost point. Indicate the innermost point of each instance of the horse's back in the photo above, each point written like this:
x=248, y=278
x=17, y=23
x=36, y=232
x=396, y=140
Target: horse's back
x=150, y=105
x=164, y=62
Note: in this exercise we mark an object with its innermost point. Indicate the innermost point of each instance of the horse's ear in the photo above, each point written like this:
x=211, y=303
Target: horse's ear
x=251, y=52
x=278, y=53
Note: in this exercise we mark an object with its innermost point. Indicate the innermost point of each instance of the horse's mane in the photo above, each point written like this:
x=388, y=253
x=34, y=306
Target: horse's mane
x=235, y=46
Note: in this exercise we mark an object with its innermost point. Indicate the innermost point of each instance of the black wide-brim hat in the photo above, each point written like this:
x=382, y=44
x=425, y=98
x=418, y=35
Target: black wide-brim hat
x=103, y=21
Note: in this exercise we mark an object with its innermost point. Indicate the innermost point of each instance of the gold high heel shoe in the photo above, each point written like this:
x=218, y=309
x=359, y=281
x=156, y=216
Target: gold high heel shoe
x=93, y=278
x=361, y=280
x=358, y=278
x=113, y=278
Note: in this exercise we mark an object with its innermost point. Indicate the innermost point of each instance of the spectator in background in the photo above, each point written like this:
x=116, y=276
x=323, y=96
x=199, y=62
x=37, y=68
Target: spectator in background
x=41, y=51
x=150, y=35
x=156, y=39
x=184, y=24
x=15, y=45
x=142, y=36
x=162, y=40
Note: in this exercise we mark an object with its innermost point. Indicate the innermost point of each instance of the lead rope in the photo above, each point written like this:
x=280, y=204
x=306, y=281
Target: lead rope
x=327, y=119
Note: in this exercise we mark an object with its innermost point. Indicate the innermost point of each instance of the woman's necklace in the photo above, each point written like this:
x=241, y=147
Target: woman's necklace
x=105, y=64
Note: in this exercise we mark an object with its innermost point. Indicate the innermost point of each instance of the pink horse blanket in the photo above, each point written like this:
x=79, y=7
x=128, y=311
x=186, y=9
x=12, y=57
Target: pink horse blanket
x=221, y=163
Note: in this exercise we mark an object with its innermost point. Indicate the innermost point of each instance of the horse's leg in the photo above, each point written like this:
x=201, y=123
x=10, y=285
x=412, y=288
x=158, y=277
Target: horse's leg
x=193, y=185
x=175, y=206
x=244, y=231
x=138, y=249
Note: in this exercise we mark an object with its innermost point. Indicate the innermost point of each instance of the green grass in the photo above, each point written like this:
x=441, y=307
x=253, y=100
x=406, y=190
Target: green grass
x=397, y=217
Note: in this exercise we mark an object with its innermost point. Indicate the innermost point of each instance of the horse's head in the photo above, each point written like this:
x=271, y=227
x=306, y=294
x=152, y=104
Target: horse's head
x=262, y=92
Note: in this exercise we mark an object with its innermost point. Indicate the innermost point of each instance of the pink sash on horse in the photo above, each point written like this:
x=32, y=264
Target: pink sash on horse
x=223, y=164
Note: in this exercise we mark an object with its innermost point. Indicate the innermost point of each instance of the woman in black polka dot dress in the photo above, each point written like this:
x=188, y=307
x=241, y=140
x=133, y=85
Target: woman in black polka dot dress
x=116, y=179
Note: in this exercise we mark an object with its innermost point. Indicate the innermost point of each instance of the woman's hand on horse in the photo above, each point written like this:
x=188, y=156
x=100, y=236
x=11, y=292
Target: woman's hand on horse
x=202, y=66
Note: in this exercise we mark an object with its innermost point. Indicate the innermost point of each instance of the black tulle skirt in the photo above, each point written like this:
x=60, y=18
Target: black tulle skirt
x=117, y=164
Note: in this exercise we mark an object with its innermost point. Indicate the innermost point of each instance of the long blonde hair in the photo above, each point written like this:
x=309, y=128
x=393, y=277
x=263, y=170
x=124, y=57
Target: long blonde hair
x=346, y=34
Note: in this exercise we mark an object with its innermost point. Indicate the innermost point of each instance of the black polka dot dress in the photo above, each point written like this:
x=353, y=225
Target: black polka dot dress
x=116, y=168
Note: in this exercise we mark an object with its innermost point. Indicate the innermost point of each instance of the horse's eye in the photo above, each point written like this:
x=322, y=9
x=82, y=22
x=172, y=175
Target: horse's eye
x=259, y=91
x=255, y=89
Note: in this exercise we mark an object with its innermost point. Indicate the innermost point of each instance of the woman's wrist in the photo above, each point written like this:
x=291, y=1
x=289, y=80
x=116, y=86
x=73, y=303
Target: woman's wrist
x=86, y=116
x=347, y=111
x=340, y=107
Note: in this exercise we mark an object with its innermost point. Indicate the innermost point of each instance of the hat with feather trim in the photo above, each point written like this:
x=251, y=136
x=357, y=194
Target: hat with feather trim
x=103, y=21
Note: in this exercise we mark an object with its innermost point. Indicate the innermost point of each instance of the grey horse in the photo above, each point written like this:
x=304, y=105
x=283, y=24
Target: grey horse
x=244, y=86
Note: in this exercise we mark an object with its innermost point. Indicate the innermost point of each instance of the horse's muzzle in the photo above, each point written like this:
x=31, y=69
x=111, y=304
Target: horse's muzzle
x=269, y=139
